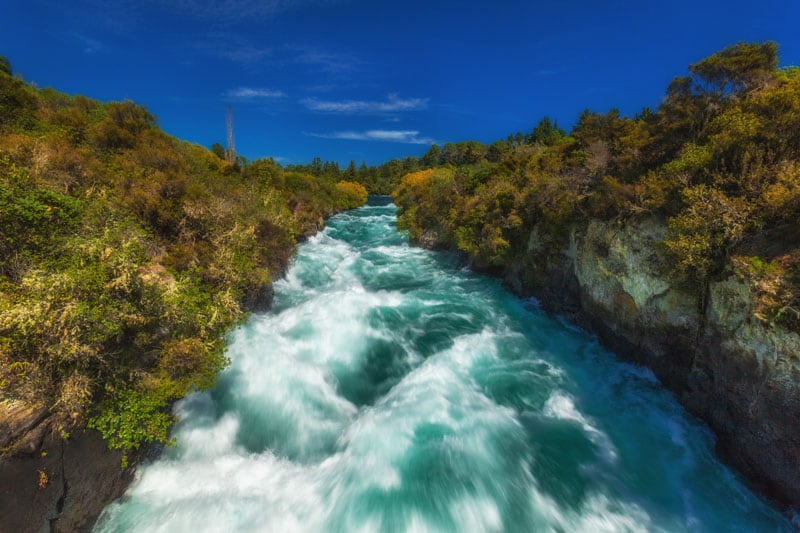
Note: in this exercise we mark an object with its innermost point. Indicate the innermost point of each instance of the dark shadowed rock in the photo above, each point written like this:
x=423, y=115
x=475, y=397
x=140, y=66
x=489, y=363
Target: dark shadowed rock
x=48, y=483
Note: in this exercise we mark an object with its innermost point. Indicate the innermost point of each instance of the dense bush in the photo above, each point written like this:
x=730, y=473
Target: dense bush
x=719, y=161
x=126, y=255
x=350, y=194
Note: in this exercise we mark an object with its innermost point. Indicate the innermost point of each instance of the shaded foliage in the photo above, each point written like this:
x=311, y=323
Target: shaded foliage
x=5, y=65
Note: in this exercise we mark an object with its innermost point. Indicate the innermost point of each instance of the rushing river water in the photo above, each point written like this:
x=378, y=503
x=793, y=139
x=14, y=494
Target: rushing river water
x=391, y=390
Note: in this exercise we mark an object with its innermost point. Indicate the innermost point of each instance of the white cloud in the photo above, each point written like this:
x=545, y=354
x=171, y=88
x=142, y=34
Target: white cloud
x=251, y=93
x=551, y=71
x=395, y=136
x=392, y=104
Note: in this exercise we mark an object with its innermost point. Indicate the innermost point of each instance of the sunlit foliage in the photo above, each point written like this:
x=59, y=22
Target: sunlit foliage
x=717, y=161
x=126, y=255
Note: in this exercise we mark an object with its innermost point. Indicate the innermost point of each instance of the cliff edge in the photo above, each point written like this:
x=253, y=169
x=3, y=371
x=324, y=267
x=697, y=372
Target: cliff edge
x=735, y=371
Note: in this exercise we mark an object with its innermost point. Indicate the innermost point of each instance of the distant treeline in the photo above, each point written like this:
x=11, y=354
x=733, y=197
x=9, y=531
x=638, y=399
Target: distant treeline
x=384, y=178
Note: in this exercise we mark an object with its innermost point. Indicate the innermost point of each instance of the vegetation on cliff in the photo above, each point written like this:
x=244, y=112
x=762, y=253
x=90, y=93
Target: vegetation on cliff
x=126, y=254
x=718, y=161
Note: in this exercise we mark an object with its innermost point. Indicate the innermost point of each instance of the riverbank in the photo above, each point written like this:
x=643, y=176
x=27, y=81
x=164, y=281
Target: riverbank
x=52, y=483
x=126, y=255
x=59, y=481
x=391, y=389
x=735, y=372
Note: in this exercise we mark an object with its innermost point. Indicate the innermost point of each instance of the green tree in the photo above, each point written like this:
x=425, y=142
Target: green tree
x=432, y=157
x=449, y=154
x=470, y=152
x=218, y=150
x=702, y=236
x=351, y=173
x=738, y=68
x=315, y=167
x=331, y=169
x=5, y=65
x=546, y=132
x=129, y=116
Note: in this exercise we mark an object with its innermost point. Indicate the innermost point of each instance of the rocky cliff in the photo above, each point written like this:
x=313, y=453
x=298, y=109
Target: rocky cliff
x=738, y=373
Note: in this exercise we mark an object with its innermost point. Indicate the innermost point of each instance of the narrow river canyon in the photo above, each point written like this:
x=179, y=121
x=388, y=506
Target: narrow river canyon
x=390, y=389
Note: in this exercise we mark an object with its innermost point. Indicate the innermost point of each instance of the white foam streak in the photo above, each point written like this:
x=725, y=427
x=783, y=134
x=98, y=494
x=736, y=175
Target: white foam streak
x=597, y=515
x=562, y=406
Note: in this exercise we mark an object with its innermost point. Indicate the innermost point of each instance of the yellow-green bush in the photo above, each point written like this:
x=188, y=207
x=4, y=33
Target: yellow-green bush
x=350, y=194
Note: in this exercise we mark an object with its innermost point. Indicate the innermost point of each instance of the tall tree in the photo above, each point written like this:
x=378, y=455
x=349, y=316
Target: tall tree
x=351, y=172
x=316, y=166
x=546, y=132
x=738, y=68
x=432, y=157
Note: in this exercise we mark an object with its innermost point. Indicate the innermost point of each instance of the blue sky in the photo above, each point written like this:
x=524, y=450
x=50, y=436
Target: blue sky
x=369, y=80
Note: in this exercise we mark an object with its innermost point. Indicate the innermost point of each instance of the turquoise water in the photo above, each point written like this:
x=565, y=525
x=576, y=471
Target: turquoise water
x=392, y=390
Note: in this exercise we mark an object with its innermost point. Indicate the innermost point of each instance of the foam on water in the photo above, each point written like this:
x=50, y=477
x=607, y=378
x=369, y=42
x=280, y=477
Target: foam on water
x=392, y=390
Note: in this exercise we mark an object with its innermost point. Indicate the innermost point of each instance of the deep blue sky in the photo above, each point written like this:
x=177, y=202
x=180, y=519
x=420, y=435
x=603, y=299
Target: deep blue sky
x=371, y=80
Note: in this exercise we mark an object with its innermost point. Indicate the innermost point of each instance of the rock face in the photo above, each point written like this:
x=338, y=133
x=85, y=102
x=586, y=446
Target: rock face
x=738, y=374
x=746, y=383
x=48, y=483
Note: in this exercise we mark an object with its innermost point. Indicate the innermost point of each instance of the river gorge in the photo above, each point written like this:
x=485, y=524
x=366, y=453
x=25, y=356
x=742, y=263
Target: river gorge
x=391, y=389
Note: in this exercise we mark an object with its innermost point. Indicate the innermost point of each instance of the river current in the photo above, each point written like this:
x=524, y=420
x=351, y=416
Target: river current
x=390, y=389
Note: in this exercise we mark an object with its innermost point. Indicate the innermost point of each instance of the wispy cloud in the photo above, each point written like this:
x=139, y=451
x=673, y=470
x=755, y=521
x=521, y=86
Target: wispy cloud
x=322, y=88
x=90, y=46
x=245, y=54
x=255, y=55
x=395, y=136
x=320, y=59
x=545, y=72
x=392, y=104
x=235, y=48
x=127, y=15
x=253, y=93
x=231, y=10
x=131, y=15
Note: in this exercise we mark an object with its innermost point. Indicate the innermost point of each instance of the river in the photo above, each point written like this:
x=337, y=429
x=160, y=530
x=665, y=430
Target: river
x=390, y=389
